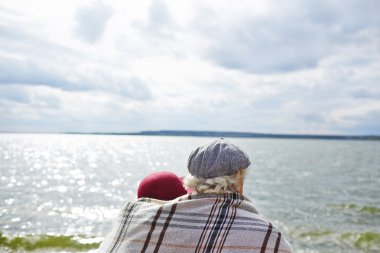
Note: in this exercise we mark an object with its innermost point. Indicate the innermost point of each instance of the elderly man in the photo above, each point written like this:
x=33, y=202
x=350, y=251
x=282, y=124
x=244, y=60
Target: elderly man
x=216, y=217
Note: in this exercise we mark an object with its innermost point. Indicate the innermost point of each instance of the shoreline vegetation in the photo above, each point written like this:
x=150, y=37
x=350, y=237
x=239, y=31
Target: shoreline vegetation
x=367, y=241
x=48, y=242
x=237, y=135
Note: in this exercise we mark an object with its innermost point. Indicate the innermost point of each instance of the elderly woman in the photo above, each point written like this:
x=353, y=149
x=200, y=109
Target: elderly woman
x=215, y=217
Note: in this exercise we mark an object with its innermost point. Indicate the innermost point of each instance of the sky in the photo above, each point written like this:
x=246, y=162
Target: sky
x=296, y=67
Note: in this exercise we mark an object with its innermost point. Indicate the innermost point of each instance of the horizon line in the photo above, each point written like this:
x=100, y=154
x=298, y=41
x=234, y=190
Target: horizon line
x=211, y=133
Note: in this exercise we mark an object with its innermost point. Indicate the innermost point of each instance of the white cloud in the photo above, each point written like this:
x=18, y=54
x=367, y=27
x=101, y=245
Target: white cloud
x=134, y=65
x=91, y=21
x=352, y=114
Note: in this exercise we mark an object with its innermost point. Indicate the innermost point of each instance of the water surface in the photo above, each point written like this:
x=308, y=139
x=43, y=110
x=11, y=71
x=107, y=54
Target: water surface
x=61, y=192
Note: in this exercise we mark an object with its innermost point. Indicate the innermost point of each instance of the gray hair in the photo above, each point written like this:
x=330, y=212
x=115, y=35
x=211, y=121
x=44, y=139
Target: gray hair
x=212, y=185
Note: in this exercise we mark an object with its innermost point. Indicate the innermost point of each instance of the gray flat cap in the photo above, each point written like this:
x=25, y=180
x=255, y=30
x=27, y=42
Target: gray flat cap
x=216, y=159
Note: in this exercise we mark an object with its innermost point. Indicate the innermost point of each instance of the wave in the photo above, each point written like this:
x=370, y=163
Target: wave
x=363, y=209
x=41, y=242
x=368, y=241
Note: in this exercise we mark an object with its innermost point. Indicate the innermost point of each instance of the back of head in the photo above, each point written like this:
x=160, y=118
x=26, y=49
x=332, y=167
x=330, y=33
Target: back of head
x=213, y=166
x=162, y=185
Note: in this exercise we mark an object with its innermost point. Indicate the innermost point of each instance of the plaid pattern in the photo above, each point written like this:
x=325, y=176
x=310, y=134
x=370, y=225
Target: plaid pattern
x=194, y=223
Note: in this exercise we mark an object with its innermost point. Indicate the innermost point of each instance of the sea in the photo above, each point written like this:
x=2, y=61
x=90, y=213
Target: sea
x=61, y=192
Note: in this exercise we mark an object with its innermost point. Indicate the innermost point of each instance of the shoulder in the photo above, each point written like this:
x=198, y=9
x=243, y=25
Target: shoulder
x=144, y=204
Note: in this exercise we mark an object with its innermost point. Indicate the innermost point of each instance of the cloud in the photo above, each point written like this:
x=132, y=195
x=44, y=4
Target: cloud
x=28, y=59
x=289, y=38
x=28, y=108
x=257, y=66
x=14, y=94
x=135, y=88
x=156, y=34
x=17, y=40
x=25, y=62
x=365, y=94
x=159, y=16
x=99, y=78
x=92, y=21
x=263, y=50
x=28, y=72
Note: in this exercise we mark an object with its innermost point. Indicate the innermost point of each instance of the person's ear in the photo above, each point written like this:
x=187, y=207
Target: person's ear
x=239, y=182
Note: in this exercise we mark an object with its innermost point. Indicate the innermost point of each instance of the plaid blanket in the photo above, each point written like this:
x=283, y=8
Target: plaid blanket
x=194, y=223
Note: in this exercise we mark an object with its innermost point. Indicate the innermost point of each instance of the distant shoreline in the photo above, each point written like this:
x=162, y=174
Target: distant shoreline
x=225, y=134
x=239, y=135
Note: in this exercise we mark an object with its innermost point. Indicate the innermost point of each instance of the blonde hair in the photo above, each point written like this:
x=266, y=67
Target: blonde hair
x=213, y=185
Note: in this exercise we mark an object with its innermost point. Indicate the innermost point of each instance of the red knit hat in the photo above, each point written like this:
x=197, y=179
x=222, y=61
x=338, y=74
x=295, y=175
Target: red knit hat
x=161, y=185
